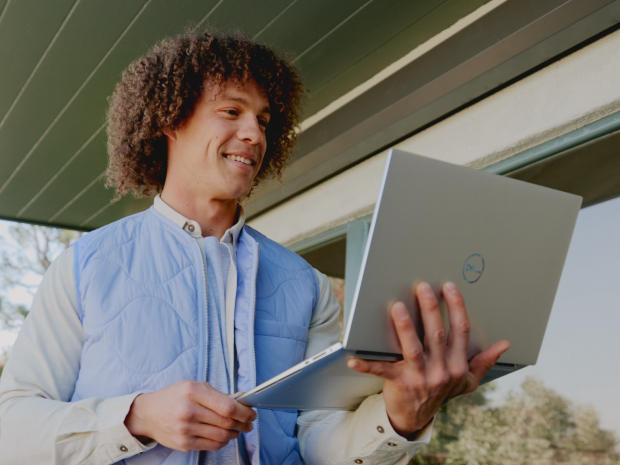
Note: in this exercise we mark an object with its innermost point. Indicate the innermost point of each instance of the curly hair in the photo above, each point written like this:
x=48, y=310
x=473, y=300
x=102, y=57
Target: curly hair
x=159, y=92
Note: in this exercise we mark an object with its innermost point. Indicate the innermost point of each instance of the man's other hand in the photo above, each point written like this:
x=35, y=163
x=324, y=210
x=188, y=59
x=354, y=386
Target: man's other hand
x=434, y=372
x=189, y=416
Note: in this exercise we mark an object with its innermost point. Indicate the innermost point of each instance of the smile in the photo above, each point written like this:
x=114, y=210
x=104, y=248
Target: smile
x=247, y=161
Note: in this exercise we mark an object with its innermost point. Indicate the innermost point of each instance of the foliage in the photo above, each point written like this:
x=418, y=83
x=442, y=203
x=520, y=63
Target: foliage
x=4, y=356
x=339, y=289
x=28, y=253
x=11, y=315
x=448, y=425
x=535, y=426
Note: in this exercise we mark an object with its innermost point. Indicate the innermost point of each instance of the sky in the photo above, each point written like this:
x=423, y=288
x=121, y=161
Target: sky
x=581, y=348
x=580, y=353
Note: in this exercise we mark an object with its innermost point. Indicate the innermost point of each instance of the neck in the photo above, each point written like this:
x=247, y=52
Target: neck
x=214, y=216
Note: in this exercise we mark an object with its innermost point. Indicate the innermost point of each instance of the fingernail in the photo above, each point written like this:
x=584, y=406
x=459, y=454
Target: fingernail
x=400, y=311
x=450, y=287
x=425, y=289
x=353, y=364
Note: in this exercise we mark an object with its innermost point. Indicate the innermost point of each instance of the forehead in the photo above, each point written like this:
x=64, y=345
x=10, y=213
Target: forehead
x=249, y=93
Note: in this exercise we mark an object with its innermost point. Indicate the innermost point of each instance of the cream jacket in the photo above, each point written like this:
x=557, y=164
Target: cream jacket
x=39, y=426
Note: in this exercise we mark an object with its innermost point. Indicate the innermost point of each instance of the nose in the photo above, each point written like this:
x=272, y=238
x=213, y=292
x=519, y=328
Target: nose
x=250, y=131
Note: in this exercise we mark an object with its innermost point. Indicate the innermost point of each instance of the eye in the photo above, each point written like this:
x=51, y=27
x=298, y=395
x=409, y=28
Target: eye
x=263, y=122
x=232, y=112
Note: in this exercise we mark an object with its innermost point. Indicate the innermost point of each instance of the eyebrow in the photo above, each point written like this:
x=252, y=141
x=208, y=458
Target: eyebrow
x=245, y=103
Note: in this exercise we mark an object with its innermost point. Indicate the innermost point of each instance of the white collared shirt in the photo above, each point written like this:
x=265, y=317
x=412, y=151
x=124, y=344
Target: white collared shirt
x=38, y=424
x=230, y=239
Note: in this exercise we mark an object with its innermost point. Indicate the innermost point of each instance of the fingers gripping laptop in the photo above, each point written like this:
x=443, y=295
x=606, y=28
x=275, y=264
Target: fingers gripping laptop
x=502, y=241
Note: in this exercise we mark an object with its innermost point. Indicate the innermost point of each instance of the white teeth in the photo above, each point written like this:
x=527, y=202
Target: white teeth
x=240, y=159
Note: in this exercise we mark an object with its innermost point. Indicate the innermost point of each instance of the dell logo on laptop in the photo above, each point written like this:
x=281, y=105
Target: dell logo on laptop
x=473, y=268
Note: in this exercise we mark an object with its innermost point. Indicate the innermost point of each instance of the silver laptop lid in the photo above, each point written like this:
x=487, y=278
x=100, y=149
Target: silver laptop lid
x=502, y=241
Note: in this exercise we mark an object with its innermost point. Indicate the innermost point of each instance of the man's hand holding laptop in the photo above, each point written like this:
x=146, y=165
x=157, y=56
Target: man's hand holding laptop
x=409, y=241
x=432, y=372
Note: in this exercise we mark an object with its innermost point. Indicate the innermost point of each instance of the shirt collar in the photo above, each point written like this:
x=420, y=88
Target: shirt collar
x=193, y=228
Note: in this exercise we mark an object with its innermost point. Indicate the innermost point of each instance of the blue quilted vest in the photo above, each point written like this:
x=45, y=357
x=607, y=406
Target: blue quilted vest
x=141, y=296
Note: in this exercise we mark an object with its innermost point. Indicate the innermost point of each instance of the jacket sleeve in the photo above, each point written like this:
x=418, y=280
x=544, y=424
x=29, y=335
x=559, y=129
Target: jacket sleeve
x=345, y=437
x=38, y=424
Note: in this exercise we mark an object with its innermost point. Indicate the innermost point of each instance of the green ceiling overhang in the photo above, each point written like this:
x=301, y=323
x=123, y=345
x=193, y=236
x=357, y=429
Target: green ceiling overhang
x=60, y=60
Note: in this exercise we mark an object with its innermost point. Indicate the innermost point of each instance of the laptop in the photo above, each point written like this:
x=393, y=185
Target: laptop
x=502, y=241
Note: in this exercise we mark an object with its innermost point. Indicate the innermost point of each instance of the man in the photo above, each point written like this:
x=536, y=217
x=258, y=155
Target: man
x=140, y=333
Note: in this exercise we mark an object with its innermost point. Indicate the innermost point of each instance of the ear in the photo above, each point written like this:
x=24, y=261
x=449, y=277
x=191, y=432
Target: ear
x=170, y=133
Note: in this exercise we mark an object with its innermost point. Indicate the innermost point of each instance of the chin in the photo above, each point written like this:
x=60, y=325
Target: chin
x=242, y=193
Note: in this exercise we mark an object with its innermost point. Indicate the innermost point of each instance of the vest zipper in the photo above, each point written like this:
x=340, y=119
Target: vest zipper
x=203, y=255
x=254, y=353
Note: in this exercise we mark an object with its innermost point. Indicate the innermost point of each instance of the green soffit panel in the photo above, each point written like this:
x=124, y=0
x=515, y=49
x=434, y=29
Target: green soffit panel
x=60, y=61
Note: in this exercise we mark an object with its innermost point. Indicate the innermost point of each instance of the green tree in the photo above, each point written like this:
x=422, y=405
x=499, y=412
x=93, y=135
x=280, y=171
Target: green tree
x=587, y=443
x=25, y=256
x=535, y=426
x=4, y=355
x=448, y=424
x=27, y=253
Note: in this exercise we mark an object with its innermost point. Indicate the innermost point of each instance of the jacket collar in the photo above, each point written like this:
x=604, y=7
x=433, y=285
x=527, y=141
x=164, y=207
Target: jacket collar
x=193, y=228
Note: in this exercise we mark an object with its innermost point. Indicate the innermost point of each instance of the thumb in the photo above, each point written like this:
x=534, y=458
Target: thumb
x=483, y=362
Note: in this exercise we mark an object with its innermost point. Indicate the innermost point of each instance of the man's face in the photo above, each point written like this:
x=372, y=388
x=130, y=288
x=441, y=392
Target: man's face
x=218, y=151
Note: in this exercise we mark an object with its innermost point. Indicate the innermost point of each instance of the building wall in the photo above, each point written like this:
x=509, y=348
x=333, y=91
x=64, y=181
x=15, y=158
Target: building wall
x=567, y=95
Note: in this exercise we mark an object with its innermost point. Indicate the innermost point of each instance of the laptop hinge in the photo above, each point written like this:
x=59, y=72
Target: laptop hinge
x=384, y=356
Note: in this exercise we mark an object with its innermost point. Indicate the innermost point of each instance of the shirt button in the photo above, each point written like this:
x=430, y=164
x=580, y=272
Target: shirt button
x=391, y=444
x=123, y=448
x=380, y=429
x=191, y=228
x=358, y=461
